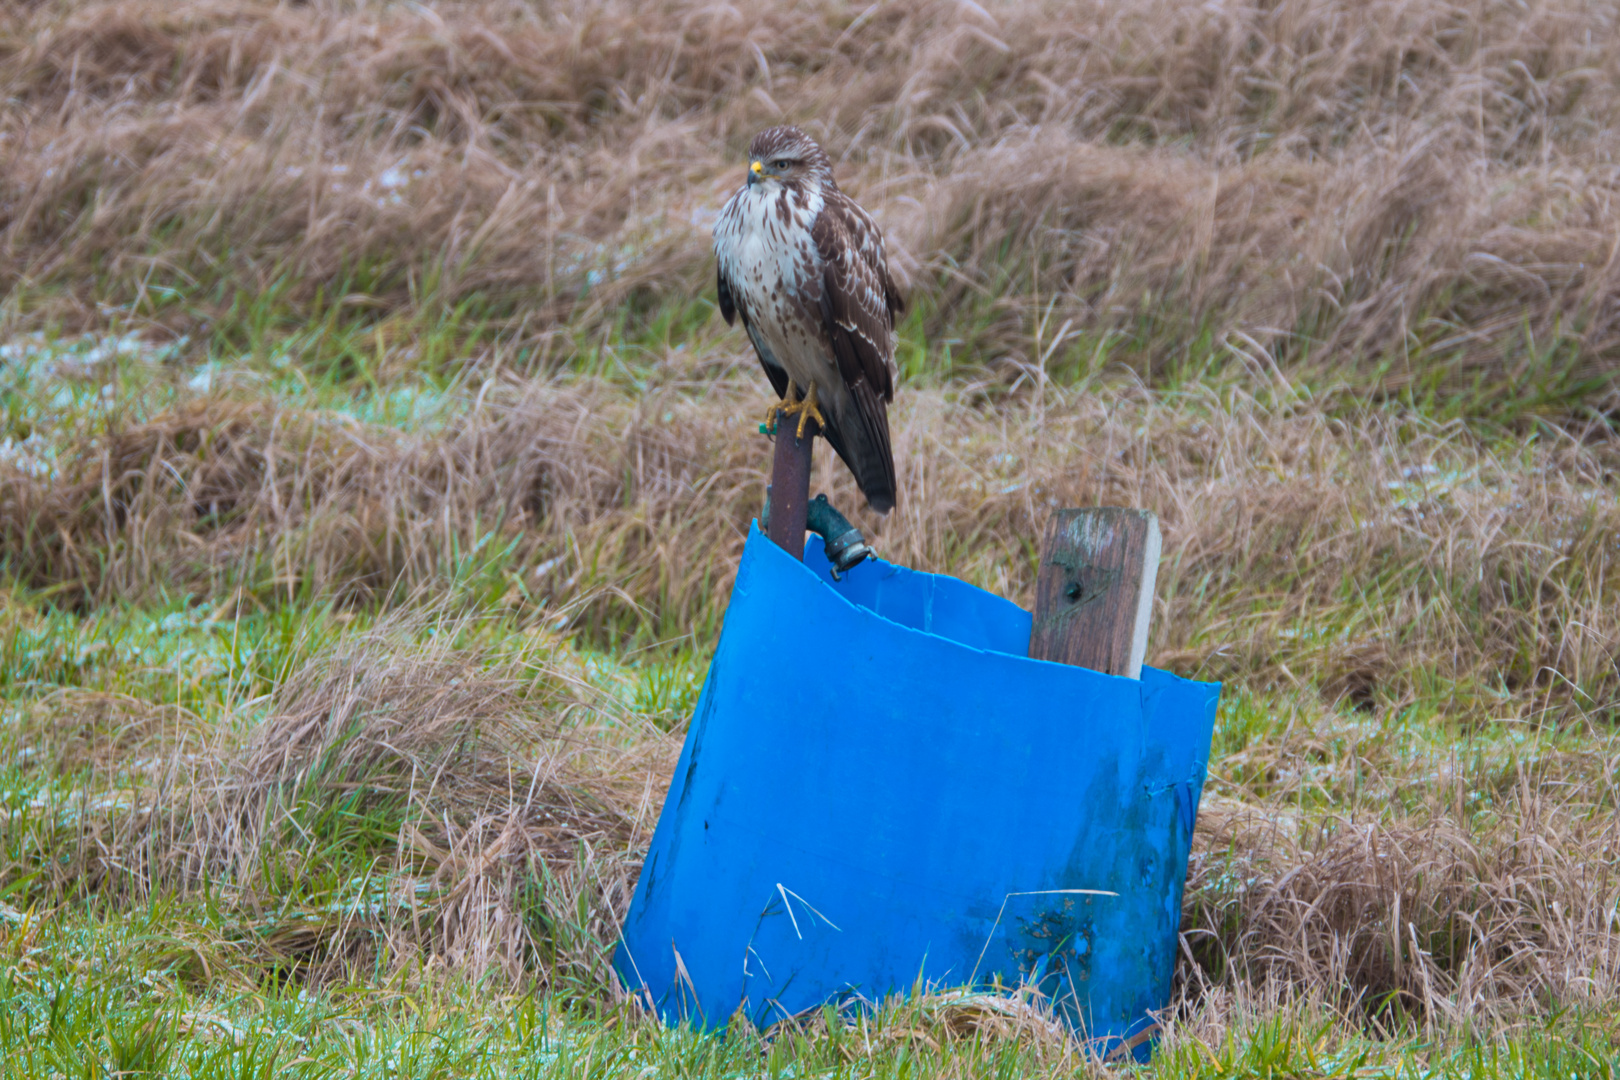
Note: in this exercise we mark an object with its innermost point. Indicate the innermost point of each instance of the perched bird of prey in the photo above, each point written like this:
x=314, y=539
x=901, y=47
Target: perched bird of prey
x=805, y=268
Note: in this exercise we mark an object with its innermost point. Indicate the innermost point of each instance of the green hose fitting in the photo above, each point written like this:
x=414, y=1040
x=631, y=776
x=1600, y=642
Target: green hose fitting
x=843, y=542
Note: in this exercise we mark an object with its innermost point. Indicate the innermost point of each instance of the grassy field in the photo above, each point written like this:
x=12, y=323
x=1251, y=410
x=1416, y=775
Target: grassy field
x=373, y=468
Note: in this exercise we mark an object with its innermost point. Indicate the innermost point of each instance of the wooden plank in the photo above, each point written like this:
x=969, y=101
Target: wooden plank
x=1094, y=589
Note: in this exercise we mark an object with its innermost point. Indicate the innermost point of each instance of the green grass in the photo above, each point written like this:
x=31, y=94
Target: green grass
x=156, y=992
x=394, y=364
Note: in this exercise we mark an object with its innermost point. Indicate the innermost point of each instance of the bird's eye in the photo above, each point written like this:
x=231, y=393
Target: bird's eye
x=780, y=163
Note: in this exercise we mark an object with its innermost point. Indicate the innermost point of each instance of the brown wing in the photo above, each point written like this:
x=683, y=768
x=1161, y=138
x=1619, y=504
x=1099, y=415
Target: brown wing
x=858, y=302
x=859, y=298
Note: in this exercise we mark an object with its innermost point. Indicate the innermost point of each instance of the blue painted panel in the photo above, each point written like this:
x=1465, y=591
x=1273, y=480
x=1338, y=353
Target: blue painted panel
x=933, y=603
x=928, y=809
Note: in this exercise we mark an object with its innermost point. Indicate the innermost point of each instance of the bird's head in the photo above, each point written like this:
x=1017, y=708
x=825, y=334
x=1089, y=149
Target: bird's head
x=785, y=157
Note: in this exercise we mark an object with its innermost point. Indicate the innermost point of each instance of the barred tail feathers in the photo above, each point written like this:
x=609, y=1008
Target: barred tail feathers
x=858, y=429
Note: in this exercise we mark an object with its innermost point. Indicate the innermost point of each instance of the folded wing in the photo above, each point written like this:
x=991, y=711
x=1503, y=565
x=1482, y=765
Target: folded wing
x=858, y=303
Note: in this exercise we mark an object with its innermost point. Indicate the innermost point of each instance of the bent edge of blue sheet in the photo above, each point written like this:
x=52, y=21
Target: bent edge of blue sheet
x=938, y=807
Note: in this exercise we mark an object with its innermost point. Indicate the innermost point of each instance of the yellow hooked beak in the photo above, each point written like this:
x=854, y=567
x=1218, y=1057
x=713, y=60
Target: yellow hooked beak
x=756, y=171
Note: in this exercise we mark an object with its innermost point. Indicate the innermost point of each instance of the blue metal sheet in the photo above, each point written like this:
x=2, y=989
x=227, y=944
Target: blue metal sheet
x=925, y=812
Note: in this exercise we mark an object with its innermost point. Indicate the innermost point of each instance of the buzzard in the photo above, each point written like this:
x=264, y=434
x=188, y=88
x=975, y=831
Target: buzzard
x=805, y=269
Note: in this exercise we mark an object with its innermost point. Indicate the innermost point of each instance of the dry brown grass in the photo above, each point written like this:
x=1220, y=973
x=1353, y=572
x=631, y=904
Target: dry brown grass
x=517, y=793
x=1359, y=183
x=1436, y=914
x=1386, y=559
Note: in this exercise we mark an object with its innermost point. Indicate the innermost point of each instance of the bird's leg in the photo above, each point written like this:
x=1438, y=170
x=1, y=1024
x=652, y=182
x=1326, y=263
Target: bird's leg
x=778, y=408
x=805, y=410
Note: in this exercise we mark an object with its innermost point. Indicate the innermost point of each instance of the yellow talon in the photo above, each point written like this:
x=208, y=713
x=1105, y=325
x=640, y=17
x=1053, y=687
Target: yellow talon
x=777, y=408
x=805, y=410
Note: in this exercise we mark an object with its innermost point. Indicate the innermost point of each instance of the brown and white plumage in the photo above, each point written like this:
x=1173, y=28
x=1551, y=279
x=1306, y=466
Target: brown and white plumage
x=805, y=268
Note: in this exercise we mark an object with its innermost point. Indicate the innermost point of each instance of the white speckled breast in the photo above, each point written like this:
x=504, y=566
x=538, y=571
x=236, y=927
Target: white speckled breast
x=770, y=256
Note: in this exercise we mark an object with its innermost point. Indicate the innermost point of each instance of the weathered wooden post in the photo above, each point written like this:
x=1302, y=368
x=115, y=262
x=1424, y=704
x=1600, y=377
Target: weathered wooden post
x=1094, y=589
x=1093, y=607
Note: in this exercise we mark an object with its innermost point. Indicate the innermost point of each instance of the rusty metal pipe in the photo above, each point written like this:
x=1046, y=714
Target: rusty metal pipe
x=789, y=493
